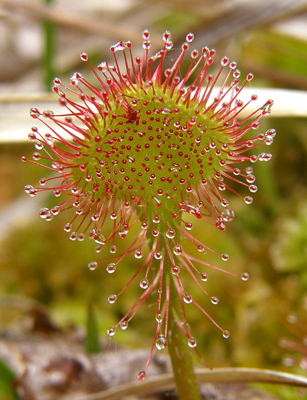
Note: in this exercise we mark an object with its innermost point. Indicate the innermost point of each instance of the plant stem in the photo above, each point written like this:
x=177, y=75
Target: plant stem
x=49, y=50
x=179, y=351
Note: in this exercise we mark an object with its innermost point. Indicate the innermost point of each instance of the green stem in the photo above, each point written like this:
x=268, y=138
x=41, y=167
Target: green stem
x=49, y=50
x=179, y=351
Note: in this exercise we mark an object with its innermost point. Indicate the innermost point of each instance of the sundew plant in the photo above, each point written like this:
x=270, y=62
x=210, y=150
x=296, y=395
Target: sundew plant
x=151, y=149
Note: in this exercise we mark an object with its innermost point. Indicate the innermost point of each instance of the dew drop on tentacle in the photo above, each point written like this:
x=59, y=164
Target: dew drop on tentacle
x=141, y=375
x=204, y=277
x=161, y=342
x=175, y=270
x=188, y=226
x=248, y=199
x=84, y=56
x=113, y=249
x=159, y=318
x=225, y=257
x=190, y=37
x=44, y=212
x=177, y=250
x=28, y=188
x=111, y=268
x=138, y=254
x=170, y=234
x=92, y=265
x=187, y=298
x=144, y=284
x=100, y=239
x=42, y=182
x=123, y=325
x=73, y=237
x=112, y=299
x=192, y=342
x=146, y=34
x=111, y=332
x=226, y=334
x=253, y=188
x=224, y=203
x=144, y=225
x=34, y=112
x=214, y=300
x=67, y=227
x=250, y=178
x=244, y=276
x=55, y=210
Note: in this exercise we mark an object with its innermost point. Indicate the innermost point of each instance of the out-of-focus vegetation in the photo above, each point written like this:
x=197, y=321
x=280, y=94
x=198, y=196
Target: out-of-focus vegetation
x=268, y=239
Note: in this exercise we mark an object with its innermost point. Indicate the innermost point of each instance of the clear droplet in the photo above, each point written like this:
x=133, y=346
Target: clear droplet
x=55, y=210
x=161, y=342
x=248, y=199
x=204, y=277
x=190, y=37
x=92, y=265
x=175, y=270
x=111, y=331
x=67, y=227
x=80, y=237
x=141, y=375
x=226, y=334
x=156, y=219
x=144, y=225
x=95, y=217
x=100, y=239
x=122, y=232
x=73, y=236
x=250, y=178
x=214, y=300
x=170, y=234
x=192, y=342
x=123, y=325
x=245, y=276
x=177, y=250
x=188, y=226
x=158, y=255
x=28, y=188
x=187, y=298
x=138, y=254
x=201, y=249
x=155, y=233
x=225, y=257
x=159, y=318
x=44, y=212
x=111, y=268
x=224, y=203
x=144, y=283
x=84, y=56
x=253, y=188
x=113, y=249
x=228, y=215
x=112, y=299
x=49, y=217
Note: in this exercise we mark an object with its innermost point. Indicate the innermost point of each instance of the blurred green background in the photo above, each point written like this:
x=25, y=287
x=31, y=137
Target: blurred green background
x=268, y=239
